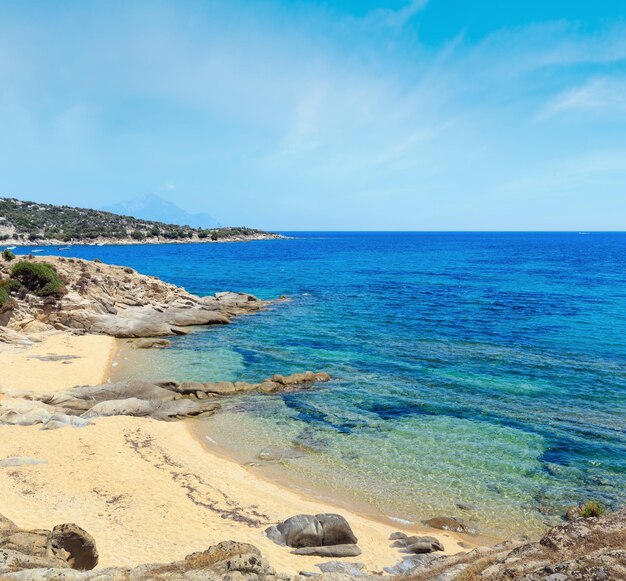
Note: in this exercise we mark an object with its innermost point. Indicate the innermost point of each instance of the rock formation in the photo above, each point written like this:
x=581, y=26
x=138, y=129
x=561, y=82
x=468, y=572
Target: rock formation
x=167, y=400
x=323, y=535
x=116, y=301
x=587, y=549
x=65, y=546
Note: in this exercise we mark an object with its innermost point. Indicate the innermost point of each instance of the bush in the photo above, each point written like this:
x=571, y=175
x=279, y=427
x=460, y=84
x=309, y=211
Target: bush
x=592, y=509
x=10, y=285
x=8, y=255
x=40, y=279
x=4, y=296
x=137, y=235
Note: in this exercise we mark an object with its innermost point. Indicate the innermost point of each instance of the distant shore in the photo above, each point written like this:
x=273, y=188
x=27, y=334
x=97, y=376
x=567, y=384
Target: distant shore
x=132, y=241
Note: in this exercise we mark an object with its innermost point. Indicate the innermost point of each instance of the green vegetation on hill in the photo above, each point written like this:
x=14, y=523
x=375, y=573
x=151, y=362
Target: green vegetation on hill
x=40, y=279
x=34, y=222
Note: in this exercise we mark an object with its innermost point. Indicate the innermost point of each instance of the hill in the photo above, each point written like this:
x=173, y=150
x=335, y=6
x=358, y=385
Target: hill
x=23, y=222
x=155, y=208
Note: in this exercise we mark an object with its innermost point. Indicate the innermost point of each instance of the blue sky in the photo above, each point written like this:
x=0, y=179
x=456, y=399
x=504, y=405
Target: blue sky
x=330, y=115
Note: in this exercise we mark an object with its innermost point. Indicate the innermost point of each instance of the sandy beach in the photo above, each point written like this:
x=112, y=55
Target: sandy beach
x=148, y=491
x=57, y=361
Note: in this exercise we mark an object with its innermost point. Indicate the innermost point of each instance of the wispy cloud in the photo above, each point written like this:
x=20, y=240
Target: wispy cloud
x=604, y=95
x=398, y=18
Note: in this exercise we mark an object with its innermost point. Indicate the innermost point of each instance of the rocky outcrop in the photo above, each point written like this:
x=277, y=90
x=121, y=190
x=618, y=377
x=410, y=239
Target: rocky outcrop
x=65, y=546
x=587, y=549
x=167, y=400
x=117, y=301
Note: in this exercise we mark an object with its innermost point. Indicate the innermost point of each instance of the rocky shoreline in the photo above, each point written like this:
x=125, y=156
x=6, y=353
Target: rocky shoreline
x=93, y=298
x=585, y=550
x=116, y=301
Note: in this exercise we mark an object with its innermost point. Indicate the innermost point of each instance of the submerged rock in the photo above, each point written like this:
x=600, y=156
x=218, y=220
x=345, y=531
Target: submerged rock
x=453, y=524
x=151, y=344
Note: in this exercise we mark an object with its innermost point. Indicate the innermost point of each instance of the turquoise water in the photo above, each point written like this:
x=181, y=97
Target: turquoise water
x=482, y=368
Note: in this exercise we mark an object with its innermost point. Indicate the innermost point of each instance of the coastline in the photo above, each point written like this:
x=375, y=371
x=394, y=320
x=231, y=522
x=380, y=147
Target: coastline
x=133, y=242
x=151, y=491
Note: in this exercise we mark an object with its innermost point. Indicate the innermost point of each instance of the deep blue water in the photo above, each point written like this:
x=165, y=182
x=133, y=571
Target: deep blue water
x=486, y=368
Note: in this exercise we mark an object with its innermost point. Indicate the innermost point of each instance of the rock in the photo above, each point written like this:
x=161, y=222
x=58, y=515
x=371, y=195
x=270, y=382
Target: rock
x=573, y=512
x=447, y=523
x=21, y=412
x=20, y=461
x=151, y=344
x=305, y=530
x=397, y=536
x=80, y=545
x=56, y=421
x=422, y=547
x=164, y=400
x=351, y=569
x=418, y=545
x=66, y=546
x=336, y=530
x=220, y=387
x=329, y=551
x=6, y=524
x=156, y=409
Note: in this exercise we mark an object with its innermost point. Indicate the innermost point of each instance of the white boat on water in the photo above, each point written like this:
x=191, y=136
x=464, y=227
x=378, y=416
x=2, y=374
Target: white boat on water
x=11, y=247
x=64, y=247
x=40, y=250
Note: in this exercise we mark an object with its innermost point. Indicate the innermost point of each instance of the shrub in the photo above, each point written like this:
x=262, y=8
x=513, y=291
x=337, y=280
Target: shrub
x=592, y=509
x=4, y=296
x=137, y=235
x=7, y=255
x=40, y=279
x=10, y=285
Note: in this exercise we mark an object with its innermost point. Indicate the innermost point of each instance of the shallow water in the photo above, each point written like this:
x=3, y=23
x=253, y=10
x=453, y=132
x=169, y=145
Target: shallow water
x=487, y=369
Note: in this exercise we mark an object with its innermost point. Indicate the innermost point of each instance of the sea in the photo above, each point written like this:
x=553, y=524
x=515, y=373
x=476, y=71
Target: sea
x=476, y=375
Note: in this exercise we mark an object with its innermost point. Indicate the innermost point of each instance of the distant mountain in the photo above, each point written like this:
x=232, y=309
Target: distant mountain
x=156, y=209
x=24, y=222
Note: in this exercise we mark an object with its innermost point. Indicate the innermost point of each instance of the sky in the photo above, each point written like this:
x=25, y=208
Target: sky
x=322, y=115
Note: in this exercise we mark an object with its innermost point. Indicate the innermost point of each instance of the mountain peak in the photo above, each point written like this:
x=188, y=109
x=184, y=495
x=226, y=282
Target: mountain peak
x=155, y=208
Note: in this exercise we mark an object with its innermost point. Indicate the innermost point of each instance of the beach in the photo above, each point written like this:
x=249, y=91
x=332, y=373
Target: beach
x=149, y=491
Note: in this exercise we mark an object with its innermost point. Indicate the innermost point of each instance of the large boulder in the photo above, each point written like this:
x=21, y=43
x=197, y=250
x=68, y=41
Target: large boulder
x=305, y=530
x=66, y=546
